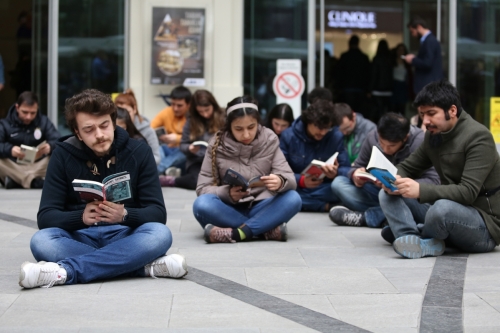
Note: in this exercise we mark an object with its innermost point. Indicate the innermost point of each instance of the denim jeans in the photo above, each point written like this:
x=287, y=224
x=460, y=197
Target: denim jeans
x=461, y=225
x=102, y=252
x=261, y=217
x=360, y=199
x=315, y=199
x=171, y=157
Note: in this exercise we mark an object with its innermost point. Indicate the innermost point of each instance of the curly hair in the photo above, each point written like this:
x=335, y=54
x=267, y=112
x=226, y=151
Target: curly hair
x=319, y=114
x=89, y=101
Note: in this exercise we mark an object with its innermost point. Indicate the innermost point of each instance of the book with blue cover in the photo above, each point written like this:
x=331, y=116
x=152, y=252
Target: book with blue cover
x=380, y=167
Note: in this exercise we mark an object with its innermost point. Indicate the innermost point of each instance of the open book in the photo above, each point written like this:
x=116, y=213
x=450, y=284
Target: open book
x=200, y=143
x=234, y=178
x=382, y=169
x=113, y=188
x=314, y=168
x=29, y=153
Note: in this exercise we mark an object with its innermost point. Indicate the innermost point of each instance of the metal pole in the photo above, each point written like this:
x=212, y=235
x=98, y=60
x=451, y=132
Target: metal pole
x=126, y=46
x=53, y=57
x=438, y=20
x=322, y=43
x=452, y=46
x=311, y=45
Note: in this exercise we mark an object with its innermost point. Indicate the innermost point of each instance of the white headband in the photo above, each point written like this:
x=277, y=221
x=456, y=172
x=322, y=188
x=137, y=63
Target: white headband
x=240, y=106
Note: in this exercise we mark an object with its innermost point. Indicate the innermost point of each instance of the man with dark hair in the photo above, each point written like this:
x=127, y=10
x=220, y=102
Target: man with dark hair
x=25, y=125
x=81, y=242
x=354, y=127
x=427, y=63
x=397, y=140
x=319, y=93
x=312, y=136
x=173, y=118
x=465, y=208
x=353, y=77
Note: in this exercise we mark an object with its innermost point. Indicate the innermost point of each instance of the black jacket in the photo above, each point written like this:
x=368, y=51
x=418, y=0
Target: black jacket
x=353, y=71
x=14, y=133
x=428, y=63
x=61, y=207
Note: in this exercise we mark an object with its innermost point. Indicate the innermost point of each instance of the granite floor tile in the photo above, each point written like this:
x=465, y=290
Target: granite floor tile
x=483, y=279
x=478, y=312
x=408, y=280
x=318, y=303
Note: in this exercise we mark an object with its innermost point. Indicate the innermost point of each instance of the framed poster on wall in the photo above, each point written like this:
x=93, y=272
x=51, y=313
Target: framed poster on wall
x=178, y=46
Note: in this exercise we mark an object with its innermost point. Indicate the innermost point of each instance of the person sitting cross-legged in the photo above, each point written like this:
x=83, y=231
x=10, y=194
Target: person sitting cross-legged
x=397, y=139
x=464, y=209
x=81, y=242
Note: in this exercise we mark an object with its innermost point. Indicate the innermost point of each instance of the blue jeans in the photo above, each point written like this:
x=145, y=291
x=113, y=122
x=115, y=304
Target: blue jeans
x=261, y=217
x=461, y=225
x=360, y=199
x=171, y=157
x=102, y=252
x=315, y=199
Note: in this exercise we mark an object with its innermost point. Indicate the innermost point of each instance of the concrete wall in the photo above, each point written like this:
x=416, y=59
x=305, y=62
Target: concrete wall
x=223, y=50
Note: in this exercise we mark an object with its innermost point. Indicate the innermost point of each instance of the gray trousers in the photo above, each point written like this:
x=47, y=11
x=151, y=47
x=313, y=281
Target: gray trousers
x=23, y=173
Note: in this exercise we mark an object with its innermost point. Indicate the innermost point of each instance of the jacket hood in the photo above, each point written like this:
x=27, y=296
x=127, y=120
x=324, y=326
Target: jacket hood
x=140, y=126
x=77, y=148
x=14, y=120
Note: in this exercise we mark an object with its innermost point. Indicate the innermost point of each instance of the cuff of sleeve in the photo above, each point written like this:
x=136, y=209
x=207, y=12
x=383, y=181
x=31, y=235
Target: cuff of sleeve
x=302, y=182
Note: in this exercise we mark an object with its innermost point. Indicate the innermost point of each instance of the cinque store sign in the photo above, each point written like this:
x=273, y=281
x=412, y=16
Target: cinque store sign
x=357, y=19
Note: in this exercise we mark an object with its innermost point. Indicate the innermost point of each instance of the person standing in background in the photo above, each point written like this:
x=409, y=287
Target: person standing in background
x=427, y=63
x=381, y=81
x=402, y=87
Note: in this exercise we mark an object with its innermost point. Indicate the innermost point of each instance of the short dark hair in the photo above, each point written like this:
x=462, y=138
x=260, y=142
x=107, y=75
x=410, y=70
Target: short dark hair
x=341, y=110
x=416, y=21
x=280, y=111
x=89, y=101
x=319, y=114
x=354, y=40
x=393, y=127
x=319, y=93
x=27, y=97
x=181, y=92
x=441, y=94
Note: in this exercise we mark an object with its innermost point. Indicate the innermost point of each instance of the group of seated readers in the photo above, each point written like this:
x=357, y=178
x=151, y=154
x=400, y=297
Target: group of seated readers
x=445, y=186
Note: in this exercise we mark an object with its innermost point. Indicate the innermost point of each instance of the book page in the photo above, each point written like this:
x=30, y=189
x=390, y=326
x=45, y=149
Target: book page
x=379, y=161
x=332, y=159
x=88, y=190
x=29, y=155
x=365, y=176
x=200, y=143
x=314, y=170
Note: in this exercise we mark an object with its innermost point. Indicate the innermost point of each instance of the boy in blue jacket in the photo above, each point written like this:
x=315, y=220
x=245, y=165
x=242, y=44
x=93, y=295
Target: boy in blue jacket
x=80, y=242
x=312, y=136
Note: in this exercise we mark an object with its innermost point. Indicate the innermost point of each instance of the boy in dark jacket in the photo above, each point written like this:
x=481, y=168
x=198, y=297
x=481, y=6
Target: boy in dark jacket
x=80, y=242
x=25, y=125
x=312, y=136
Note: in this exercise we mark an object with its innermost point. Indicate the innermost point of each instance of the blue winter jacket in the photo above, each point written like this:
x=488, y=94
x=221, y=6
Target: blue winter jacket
x=300, y=150
x=60, y=205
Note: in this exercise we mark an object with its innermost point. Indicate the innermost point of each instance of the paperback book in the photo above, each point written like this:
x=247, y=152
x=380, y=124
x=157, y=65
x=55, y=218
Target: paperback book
x=114, y=188
x=234, y=178
x=380, y=167
x=314, y=168
x=29, y=153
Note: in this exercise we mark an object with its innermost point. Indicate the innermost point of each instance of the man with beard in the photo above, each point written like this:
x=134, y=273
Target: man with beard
x=465, y=209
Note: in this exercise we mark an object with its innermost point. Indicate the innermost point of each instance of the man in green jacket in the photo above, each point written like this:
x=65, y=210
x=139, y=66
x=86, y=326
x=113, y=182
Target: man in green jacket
x=465, y=208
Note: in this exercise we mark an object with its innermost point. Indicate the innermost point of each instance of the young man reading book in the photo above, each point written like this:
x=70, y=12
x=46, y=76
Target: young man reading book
x=312, y=136
x=465, y=208
x=79, y=242
x=396, y=139
x=25, y=126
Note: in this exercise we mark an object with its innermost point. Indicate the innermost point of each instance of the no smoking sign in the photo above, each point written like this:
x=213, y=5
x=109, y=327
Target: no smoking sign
x=288, y=85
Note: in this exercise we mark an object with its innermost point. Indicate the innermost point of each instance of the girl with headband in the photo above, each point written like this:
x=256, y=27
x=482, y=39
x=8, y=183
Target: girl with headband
x=230, y=214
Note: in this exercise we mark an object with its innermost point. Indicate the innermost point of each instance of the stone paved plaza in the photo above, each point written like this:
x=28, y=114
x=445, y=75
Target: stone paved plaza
x=325, y=278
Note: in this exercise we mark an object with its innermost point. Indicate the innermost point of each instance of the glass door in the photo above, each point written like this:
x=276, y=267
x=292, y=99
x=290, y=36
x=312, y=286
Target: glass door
x=39, y=51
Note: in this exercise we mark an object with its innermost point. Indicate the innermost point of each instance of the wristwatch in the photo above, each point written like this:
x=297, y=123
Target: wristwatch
x=125, y=215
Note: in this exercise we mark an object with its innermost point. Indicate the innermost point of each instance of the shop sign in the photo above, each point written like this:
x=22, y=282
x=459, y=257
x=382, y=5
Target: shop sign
x=353, y=19
x=495, y=118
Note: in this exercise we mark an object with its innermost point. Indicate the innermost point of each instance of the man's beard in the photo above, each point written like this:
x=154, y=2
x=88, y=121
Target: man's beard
x=435, y=140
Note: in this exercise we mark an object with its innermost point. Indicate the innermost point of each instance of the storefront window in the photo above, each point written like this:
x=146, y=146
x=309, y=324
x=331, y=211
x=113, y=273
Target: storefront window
x=91, y=47
x=274, y=29
x=478, y=54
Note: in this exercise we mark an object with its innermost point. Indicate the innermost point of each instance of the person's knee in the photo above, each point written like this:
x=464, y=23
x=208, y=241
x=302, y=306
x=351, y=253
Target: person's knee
x=436, y=215
x=339, y=184
x=42, y=242
x=294, y=201
x=203, y=204
x=160, y=236
x=383, y=198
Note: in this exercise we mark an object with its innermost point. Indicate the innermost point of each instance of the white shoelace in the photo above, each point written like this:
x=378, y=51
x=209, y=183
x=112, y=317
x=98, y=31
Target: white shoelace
x=351, y=218
x=48, y=277
x=162, y=269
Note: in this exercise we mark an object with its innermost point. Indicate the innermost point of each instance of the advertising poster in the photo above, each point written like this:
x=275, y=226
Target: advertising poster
x=495, y=118
x=178, y=46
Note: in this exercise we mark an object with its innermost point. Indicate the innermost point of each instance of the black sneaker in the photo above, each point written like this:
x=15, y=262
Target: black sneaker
x=37, y=183
x=387, y=234
x=10, y=183
x=343, y=216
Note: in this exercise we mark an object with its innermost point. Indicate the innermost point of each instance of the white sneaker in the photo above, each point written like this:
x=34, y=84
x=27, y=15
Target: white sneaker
x=173, y=266
x=173, y=171
x=41, y=274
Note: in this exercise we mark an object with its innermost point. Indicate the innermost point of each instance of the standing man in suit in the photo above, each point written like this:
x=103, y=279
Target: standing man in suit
x=427, y=63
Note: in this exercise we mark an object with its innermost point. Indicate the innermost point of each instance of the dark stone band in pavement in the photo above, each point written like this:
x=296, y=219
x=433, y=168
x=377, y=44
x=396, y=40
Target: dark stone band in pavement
x=285, y=309
x=442, y=305
x=19, y=220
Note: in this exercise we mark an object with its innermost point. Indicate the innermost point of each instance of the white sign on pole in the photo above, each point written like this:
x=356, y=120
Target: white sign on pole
x=288, y=84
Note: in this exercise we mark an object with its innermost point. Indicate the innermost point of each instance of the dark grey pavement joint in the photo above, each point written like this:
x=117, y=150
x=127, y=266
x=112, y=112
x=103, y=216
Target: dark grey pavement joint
x=285, y=309
x=442, y=305
x=19, y=220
